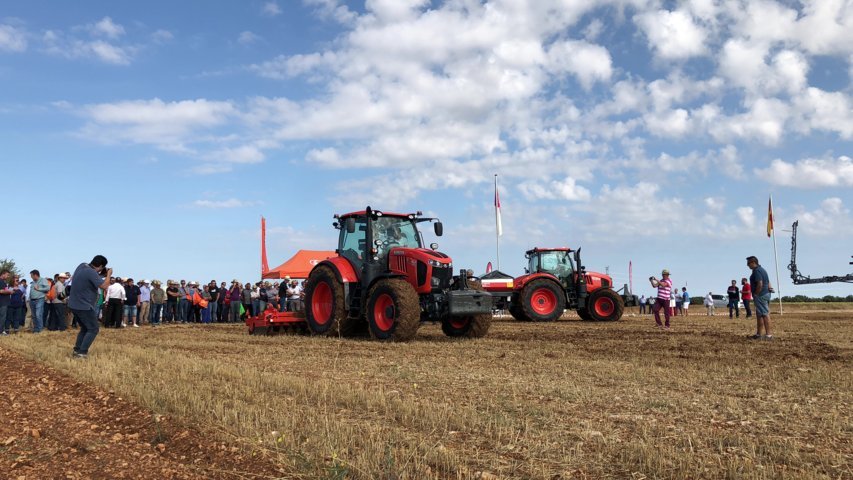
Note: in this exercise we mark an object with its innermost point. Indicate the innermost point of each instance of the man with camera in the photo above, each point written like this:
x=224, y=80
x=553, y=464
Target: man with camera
x=88, y=278
x=664, y=287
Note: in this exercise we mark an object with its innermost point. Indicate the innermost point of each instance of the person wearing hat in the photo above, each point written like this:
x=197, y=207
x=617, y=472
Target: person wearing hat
x=664, y=287
x=173, y=294
x=214, y=299
x=56, y=320
x=131, y=303
x=158, y=302
x=144, y=312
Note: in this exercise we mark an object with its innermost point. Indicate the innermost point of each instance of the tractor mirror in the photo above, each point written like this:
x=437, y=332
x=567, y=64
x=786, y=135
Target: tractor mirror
x=350, y=222
x=439, y=228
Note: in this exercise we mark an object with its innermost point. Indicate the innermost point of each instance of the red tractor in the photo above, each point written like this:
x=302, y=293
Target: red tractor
x=384, y=281
x=555, y=280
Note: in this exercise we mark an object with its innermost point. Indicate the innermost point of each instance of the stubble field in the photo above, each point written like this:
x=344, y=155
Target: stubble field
x=569, y=399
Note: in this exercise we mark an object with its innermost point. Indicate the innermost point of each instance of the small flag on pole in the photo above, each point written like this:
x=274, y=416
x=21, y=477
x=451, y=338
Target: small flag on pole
x=769, y=216
x=498, y=210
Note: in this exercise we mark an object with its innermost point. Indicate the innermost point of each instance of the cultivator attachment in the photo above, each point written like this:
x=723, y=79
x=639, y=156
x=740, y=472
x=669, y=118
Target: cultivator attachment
x=273, y=322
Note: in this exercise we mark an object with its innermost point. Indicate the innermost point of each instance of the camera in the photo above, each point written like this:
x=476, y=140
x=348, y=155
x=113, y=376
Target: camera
x=652, y=277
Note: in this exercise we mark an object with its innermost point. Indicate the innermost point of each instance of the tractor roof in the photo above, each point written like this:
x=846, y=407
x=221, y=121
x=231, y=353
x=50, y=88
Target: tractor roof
x=361, y=213
x=543, y=249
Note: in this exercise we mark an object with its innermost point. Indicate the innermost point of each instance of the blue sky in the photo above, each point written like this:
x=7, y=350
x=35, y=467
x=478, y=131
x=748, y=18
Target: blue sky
x=158, y=133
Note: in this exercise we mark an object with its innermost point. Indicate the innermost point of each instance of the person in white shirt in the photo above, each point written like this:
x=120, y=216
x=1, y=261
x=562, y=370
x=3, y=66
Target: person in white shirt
x=115, y=303
x=709, y=304
x=294, y=294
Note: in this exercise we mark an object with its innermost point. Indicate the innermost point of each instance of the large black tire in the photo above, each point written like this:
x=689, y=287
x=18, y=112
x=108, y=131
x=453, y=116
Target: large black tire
x=515, y=308
x=605, y=305
x=393, y=310
x=584, y=314
x=325, y=308
x=471, y=326
x=543, y=300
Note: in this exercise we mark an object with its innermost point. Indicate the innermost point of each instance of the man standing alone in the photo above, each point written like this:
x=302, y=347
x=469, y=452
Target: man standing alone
x=760, y=284
x=87, y=281
x=664, y=287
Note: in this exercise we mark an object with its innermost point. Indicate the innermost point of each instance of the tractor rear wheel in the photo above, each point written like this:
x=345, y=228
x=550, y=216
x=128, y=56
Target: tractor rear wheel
x=325, y=309
x=584, y=314
x=543, y=300
x=605, y=305
x=393, y=310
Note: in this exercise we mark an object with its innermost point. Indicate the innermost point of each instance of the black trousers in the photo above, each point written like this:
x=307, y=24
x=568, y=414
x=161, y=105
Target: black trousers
x=113, y=318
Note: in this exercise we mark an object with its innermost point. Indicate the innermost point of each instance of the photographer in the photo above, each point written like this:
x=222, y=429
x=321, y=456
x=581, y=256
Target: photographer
x=664, y=287
x=87, y=280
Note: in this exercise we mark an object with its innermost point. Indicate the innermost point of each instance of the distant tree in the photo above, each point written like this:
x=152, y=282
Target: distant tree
x=9, y=264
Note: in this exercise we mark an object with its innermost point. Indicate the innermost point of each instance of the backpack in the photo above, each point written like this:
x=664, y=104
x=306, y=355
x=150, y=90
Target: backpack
x=51, y=294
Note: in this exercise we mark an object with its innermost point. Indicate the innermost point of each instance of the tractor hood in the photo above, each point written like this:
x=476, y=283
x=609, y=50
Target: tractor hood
x=594, y=280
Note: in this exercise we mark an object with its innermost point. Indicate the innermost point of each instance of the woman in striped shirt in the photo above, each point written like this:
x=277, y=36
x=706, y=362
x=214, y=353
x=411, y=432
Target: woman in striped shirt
x=664, y=287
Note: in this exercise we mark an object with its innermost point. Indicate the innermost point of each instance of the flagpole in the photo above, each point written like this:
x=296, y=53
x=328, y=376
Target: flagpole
x=776, y=258
x=497, y=225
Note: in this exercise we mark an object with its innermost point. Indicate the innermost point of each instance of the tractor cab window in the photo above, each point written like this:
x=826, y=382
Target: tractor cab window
x=557, y=263
x=353, y=245
x=393, y=232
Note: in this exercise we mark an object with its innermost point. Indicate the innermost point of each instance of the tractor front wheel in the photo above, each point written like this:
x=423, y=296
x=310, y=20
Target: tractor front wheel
x=584, y=314
x=393, y=311
x=515, y=308
x=325, y=310
x=605, y=305
x=543, y=300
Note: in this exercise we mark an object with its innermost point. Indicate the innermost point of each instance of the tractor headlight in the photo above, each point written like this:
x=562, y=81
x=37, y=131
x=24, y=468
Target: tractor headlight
x=437, y=264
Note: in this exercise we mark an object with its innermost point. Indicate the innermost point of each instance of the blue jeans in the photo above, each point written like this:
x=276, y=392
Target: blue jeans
x=88, y=330
x=256, y=306
x=130, y=312
x=182, y=310
x=762, y=304
x=212, y=306
x=37, y=307
x=156, y=310
x=205, y=314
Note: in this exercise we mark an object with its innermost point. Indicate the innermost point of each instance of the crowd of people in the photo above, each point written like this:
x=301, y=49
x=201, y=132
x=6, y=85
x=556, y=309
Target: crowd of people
x=673, y=302
x=42, y=303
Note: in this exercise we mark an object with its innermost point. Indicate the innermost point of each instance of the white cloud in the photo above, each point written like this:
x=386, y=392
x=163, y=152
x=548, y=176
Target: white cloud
x=832, y=218
x=566, y=189
x=247, y=38
x=828, y=111
x=229, y=203
x=12, y=39
x=271, y=9
x=167, y=125
x=333, y=10
x=588, y=62
x=809, y=172
x=107, y=28
x=58, y=43
x=162, y=36
x=673, y=35
x=746, y=215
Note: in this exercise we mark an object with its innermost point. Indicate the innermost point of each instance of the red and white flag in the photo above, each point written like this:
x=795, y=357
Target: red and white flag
x=264, y=265
x=489, y=267
x=500, y=228
x=769, y=217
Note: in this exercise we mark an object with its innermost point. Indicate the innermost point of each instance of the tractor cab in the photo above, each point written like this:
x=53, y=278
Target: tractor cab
x=558, y=262
x=378, y=244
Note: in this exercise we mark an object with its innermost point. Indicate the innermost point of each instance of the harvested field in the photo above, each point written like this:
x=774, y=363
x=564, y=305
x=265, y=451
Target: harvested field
x=569, y=399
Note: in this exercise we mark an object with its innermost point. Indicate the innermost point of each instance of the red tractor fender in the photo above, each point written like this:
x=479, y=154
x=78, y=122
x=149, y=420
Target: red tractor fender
x=342, y=268
x=520, y=282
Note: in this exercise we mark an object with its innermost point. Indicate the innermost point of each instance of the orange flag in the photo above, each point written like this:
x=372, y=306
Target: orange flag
x=769, y=216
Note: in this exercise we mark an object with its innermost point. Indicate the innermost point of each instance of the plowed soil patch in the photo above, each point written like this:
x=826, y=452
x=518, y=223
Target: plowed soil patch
x=55, y=427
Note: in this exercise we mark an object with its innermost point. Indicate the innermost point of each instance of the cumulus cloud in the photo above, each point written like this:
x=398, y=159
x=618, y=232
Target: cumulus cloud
x=588, y=62
x=107, y=28
x=673, y=35
x=809, y=172
x=12, y=39
x=566, y=189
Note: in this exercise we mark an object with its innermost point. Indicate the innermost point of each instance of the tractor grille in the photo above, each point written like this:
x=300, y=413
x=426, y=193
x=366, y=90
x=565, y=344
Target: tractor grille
x=399, y=264
x=422, y=273
x=443, y=275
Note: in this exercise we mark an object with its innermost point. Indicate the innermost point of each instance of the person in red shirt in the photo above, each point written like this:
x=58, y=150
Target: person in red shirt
x=746, y=296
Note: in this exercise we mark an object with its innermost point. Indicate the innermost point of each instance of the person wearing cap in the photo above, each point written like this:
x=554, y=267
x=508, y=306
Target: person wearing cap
x=173, y=295
x=664, y=287
x=144, y=312
x=234, y=295
x=158, y=302
x=183, y=305
x=56, y=319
